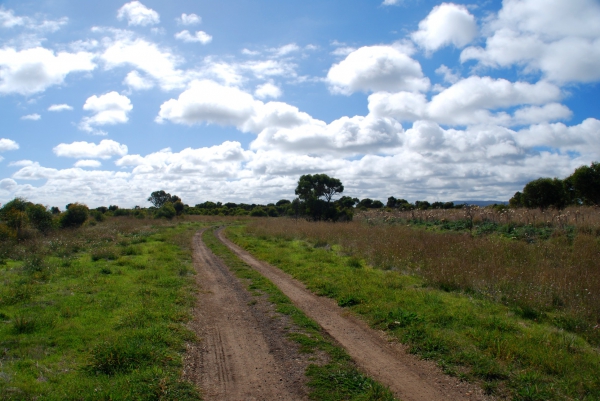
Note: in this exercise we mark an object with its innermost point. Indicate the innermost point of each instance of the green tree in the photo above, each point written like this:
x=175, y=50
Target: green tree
x=544, y=193
x=75, y=215
x=159, y=198
x=167, y=211
x=40, y=217
x=318, y=186
x=585, y=182
x=179, y=207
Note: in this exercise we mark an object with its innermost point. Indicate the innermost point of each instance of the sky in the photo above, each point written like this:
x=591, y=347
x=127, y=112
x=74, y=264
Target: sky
x=105, y=102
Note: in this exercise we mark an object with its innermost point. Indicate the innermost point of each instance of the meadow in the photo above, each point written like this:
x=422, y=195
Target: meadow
x=97, y=312
x=518, y=314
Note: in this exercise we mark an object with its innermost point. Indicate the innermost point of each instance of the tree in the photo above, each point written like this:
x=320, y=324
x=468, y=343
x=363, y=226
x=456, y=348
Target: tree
x=40, y=217
x=75, y=215
x=179, y=207
x=159, y=198
x=167, y=211
x=585, y=183
x=545, y=193
x=315, y=193
x=318, y=186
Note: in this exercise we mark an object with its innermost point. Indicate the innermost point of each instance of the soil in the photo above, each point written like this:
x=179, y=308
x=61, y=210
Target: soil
x=244, y=352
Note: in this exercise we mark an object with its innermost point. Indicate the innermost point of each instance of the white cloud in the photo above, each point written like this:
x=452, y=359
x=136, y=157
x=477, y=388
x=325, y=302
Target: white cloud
x=377, y=68
x=106, y=149
x=199, y=37
x=583, y=138
x=467, y=102
x=546, y=113
x=87, y=163
x=391, y=2
x=189, y=19
x=446, y=24
x=60, y=107
x=207, y=101
x=138, y=14
x=449, y=75
x=267, y=90
x=8, y=144
x=249, y=52
x=110, y=108
x=343, y=51
x=33, y=70
x=145, y=56
x=285, y=49
x=31, y=117
x=560, y=39
x=8, y=19
x=135, y=81
x=8, y=184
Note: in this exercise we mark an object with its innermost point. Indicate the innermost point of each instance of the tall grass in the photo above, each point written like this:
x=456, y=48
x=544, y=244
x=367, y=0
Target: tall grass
x=557, y=279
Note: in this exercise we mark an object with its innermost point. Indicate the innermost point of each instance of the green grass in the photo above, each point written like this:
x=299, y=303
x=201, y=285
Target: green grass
x=338, y=379
x=99, y=316
x=502, y=348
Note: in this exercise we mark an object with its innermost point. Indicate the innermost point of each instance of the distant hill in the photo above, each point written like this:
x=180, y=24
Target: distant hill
x=480, y=202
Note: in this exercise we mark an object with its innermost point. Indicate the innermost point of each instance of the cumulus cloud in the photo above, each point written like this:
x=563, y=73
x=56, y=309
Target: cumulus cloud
x=198, y=37
x=110, y=108
x=583, y=138
x=207, y=101
x=562, y=40
x=267, y=90
x=189, y=19
x=446, y=24
x=467, y=102
x=377, y=68
x=8, y=19
x=391, y=2
x=160, y=64
x=60, y=107
x=31, y=117
x=285, y=49
x=33, y=70
x=87, y=163
x=138, y=14
x=135, y=81
x=106, y=149
x=8, y=144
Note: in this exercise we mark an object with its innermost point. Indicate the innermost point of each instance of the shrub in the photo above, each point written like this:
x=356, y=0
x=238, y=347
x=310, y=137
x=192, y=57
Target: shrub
x=40, y=217
x=75, y=215
x=167, y=211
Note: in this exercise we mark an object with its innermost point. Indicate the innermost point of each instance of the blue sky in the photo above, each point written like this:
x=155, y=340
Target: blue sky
x=105, y=102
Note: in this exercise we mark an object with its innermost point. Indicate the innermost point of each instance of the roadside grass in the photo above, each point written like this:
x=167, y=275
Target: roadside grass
x=338, y=379
x=98, y=313
x=513, y=352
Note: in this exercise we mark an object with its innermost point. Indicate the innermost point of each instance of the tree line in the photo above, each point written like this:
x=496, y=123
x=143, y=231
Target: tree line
x=580, y=188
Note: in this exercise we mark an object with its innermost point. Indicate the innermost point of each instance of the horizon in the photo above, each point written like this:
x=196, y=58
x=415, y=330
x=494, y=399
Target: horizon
x=105, y=103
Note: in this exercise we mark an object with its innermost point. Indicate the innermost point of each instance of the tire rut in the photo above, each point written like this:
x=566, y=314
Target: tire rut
x=409, y=378
x=243, y=353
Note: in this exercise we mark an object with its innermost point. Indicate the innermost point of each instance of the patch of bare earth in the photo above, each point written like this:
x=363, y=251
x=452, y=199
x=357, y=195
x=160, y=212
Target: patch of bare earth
x=409, y=377
x=243, y=352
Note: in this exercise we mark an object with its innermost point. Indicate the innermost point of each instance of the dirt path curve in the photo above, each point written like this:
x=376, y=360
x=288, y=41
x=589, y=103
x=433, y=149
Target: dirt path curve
x=410, y=378
x=242, y=355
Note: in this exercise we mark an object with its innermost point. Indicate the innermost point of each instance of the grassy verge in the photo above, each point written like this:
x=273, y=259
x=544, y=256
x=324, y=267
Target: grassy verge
x=336, y=380
x=98, y=313
x=470, y=336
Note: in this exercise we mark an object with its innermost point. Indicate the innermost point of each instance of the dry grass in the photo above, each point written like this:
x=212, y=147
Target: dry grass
x=560, y=276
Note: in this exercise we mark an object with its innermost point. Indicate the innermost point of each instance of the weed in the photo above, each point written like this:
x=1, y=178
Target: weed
x=24, y=324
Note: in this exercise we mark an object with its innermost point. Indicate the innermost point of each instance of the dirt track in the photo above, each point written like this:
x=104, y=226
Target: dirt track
x=244, y=355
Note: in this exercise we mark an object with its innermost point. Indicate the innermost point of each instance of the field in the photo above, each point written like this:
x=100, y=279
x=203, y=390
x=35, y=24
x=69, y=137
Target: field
x=97, y=312
x=506, y=300
x=519, y=316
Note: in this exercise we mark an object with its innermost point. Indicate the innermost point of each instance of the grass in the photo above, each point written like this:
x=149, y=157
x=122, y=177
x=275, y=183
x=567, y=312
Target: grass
x=515, y=350
x=98, y=313
x=338, y=379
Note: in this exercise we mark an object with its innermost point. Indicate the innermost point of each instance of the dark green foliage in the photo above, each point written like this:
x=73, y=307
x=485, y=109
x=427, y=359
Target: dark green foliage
x=318, y=186
x=40, y=217
x=75, y=215
x=258, y=212
x=585, y=184
x=24, y=325
x=122, y=355
x=544, y=193
x=159, y=198
x=315, y=193
x=167, y=211
x=178, y=207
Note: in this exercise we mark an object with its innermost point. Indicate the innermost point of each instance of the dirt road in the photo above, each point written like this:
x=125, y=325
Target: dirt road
x=410, y=378
x=244, y=353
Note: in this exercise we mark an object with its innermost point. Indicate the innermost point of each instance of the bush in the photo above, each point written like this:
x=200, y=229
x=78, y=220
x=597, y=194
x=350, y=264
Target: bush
x=40, y=217
x=167, y=211
x=258, y=212
x=75, y=215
